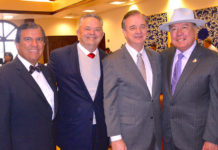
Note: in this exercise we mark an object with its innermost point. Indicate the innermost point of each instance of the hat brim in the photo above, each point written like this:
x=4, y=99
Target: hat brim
x=166, y=26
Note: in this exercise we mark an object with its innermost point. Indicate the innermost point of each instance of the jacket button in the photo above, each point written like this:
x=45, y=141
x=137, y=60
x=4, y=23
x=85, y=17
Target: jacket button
x=151, y=117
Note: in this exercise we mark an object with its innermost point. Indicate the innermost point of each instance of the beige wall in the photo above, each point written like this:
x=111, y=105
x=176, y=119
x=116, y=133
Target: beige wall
x=58, y=26
x=112, y=20
x=55, y=27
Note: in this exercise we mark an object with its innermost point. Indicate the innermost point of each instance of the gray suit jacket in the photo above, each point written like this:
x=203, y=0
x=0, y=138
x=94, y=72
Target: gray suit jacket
x=190, y=116
x=129, y=108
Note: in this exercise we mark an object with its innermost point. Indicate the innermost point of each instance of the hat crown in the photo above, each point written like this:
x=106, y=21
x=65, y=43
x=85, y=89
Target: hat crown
x=182, y=14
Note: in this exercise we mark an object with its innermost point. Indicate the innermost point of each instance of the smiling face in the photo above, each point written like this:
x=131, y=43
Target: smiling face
x=31, y=45
x=135, y=31
x=183, y=35
x=90, y=33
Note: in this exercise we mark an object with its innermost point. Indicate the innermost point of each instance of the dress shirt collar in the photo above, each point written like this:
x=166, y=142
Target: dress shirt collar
x=25, y=62
x=133, y=52
x=188, y=52
x=149, y=74
x=85, y=51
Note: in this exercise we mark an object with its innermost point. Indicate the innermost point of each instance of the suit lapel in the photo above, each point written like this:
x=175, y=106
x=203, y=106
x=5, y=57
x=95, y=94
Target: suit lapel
x=28, y=79
x=189, y=68
x=169, y=69
x=100, y=87
x=75, y=65
x=25, y=75
x=130, y=65
x=75, y=61
x=154, y=65
x=52, y=85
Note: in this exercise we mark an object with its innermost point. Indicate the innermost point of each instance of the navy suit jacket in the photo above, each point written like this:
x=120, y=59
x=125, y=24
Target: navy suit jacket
x=74, y=120
x=25, y=115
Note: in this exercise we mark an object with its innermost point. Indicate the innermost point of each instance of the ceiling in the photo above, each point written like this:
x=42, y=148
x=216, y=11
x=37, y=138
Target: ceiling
x=21, y=9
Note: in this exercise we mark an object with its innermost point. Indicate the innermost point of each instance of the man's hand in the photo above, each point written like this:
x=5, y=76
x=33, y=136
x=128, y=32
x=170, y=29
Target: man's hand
x=118, y=145
x=209, y=146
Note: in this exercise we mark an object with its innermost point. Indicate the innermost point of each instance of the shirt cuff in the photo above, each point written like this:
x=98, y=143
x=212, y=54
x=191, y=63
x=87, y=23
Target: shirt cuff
x=115, y=138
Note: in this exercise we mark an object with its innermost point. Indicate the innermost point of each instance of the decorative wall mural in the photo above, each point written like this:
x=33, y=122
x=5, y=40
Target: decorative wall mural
x=209, y=15
x=156, y=36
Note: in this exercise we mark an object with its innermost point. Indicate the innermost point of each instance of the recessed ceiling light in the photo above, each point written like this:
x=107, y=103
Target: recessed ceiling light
x=89, y=11
x=39, y=0
x=117, y=3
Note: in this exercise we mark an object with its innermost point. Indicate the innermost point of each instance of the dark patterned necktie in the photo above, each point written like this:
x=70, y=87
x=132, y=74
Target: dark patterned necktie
x=91, y=55
x=177, y=72
x=35, y=68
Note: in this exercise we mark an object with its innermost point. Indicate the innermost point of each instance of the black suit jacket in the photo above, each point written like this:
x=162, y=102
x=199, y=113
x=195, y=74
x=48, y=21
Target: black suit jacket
x=74, y=119
x=25, y=115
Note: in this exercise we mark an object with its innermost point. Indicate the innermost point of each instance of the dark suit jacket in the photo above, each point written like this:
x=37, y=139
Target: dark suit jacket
x=130, y=109
x=25, y=115
x=190, y=116
x=74, y=120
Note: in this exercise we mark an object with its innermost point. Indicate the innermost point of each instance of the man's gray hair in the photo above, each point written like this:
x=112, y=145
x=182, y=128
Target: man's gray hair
x=93, y=15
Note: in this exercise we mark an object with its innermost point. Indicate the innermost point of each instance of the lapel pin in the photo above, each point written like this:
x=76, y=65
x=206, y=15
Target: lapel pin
x=194, y=60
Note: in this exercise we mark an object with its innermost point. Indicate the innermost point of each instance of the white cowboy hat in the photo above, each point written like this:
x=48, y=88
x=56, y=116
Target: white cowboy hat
x=182, y=15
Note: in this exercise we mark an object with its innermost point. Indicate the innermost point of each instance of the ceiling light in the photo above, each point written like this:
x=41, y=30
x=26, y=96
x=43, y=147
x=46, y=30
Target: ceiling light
x=68, y=17
x=8, y=17
x=133, y=7
x=39, y=0
x=89, y=11
x=117, y=3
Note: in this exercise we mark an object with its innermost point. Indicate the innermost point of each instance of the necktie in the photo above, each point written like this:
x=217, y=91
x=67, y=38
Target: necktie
x=35, y=68
x=91, y=55
x=141, y=66
x=177, y=72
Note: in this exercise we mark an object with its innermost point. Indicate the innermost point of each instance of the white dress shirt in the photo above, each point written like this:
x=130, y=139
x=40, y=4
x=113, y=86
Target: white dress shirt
x=42, y=83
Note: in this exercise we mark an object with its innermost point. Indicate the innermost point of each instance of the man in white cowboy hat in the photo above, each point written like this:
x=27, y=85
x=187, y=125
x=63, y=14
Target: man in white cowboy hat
x=190, y=87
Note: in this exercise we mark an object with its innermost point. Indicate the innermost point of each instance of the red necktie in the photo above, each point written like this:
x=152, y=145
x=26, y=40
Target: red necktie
x=91, y=55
